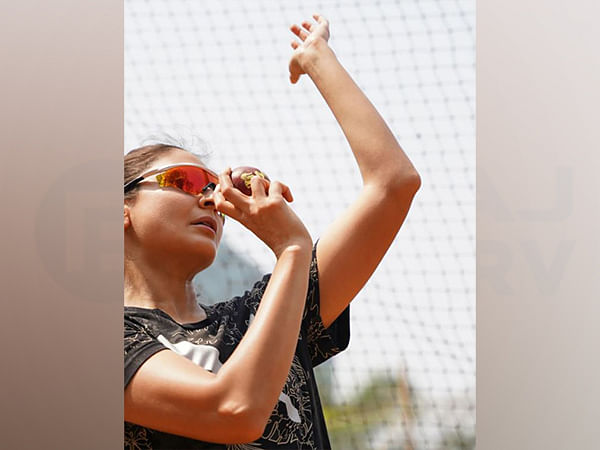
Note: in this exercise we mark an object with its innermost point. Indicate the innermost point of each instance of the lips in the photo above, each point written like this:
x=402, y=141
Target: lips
x=206, y=220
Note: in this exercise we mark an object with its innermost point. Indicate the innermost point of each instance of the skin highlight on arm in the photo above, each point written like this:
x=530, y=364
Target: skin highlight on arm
x=354, y=244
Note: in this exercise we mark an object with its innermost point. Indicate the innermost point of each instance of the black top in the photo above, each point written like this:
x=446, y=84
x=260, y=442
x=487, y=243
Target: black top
x=296, y=421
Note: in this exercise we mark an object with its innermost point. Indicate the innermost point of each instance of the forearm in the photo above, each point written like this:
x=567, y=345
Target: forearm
x=259, y=366
x=380, y=158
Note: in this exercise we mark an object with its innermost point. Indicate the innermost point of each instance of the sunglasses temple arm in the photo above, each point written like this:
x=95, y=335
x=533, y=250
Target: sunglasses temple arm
x=129, y=186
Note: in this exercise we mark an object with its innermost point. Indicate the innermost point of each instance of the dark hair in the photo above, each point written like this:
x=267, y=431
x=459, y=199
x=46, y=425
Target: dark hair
x=138, y=160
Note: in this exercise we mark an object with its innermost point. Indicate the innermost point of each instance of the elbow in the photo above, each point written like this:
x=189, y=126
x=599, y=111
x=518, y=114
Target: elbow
x=257, y=417
x=254, y=422
x=247, y=422
x=406, y=184
x=413, y=182
x=255, y=426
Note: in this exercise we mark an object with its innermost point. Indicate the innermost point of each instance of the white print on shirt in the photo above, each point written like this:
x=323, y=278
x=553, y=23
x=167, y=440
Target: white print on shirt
x=207, y=357
x=292, y=412
x=204, y=356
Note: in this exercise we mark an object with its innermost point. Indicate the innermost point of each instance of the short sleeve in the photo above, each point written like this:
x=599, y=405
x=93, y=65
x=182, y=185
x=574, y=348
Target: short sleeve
x=323, y=343
x=139, y=345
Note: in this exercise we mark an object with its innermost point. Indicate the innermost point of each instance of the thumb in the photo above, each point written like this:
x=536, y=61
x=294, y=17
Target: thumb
x=286, y=192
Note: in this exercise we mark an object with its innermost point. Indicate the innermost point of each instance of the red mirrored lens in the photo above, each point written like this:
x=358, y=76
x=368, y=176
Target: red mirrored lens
x=190, y=179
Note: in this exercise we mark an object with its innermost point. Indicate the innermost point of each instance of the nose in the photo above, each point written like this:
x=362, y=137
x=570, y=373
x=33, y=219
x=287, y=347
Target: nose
x=205, y=200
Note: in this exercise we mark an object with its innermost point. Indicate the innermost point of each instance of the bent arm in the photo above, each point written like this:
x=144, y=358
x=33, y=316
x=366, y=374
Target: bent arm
x=171, y=394
x=352, y=247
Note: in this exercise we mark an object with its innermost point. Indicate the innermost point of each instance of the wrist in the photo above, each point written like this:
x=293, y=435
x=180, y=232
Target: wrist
x=317, y=52
x=295, y=247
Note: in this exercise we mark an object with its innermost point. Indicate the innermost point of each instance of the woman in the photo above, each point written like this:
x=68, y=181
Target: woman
x=239, y=374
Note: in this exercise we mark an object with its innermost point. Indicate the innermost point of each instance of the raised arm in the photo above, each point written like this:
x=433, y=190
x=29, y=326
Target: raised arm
x=351, y=248
x=172, y=394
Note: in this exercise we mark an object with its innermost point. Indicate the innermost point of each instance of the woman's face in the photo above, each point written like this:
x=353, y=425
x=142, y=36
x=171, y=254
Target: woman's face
x=163, y=222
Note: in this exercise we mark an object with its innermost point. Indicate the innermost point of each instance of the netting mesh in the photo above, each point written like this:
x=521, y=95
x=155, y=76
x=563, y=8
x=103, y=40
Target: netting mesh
x=215, y=73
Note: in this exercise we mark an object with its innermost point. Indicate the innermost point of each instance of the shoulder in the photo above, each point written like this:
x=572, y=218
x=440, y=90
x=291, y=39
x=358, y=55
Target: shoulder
x=143, y=324
x=246, y=302
x=144, y=318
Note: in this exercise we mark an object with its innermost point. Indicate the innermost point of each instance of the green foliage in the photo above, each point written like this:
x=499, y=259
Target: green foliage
x=384, y=403
x=385, y=398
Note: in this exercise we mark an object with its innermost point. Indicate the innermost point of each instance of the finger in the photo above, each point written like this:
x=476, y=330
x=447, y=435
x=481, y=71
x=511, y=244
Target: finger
x=295, y=45
x=220, y=203
x=287, y=193
x=299, y=32
x=224, y=206
x=276, y=188
x=307, y=25
x=279, y=188
x=257, y=184
x=288, y=196
x=229, y=191
x=320, y=19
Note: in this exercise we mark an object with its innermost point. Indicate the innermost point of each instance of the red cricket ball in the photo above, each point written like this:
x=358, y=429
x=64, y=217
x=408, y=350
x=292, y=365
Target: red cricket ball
x=241, y=176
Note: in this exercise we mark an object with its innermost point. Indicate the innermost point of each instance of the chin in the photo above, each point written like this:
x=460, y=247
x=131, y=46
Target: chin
x=195, y=254
x=206, y=254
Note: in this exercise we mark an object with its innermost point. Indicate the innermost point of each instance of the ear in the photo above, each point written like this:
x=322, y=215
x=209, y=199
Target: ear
x=126, y=217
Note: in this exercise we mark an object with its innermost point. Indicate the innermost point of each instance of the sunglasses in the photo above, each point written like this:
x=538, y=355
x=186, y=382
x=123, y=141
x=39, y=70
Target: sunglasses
x=190, y=178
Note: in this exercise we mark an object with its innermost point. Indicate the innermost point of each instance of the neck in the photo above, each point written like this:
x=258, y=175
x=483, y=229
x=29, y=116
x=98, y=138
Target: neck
x=164, y=287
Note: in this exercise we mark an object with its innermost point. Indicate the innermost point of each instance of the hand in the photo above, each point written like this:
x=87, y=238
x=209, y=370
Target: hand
x=311, y=36
x=265, y=212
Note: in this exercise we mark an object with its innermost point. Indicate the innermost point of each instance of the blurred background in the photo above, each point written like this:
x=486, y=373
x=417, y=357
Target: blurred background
x=213, y=76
